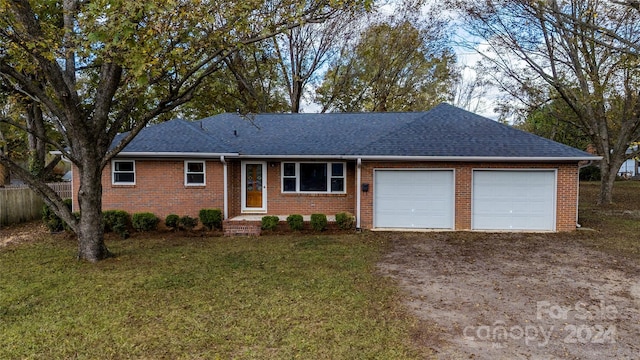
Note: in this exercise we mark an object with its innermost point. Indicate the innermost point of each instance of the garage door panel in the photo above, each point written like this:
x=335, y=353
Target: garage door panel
x=413, y=199
x=513, y=200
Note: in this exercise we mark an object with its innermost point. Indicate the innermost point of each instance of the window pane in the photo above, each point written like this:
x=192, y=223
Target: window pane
x=195, y=178
x=337, y=169
x=123, y=177
x=289, y=169
x=313, y=177
x=337, y=185
x=124, y=165
x=197, y=167
x=289, y=185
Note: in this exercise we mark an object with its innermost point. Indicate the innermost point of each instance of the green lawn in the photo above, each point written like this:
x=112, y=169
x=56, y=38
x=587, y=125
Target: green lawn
x=304, y=296
x=617, y=226
x=292, y=296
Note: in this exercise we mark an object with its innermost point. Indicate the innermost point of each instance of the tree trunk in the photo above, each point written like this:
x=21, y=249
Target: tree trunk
x=91, y=246
x=296, y=96
x=37, y=132
x=606, y=189
x=608, y=172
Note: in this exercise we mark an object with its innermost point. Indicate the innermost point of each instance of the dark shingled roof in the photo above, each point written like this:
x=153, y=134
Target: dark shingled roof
x=177, y=136
x=444, y=131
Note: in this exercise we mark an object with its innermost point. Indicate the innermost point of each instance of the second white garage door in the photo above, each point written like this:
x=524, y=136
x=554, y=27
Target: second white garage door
x=421, y=199
x=513, y=200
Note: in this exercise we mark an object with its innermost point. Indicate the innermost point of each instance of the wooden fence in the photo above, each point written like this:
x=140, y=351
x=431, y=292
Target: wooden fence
x=19, y=203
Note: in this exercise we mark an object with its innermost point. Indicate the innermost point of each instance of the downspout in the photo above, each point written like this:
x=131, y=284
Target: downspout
x=358, y=191
x=224, y=185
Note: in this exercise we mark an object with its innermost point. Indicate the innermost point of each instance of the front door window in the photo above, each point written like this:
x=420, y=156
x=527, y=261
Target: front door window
x=254, y=185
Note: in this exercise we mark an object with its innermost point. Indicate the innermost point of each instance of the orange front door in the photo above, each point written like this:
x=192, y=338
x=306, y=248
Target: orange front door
x=253, y=188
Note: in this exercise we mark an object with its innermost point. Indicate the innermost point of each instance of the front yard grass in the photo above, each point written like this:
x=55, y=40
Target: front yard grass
x=617, y=226
x=304, y=296
x=292, y=296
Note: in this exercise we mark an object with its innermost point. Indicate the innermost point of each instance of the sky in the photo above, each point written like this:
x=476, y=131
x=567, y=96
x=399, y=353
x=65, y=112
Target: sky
x=466, y=59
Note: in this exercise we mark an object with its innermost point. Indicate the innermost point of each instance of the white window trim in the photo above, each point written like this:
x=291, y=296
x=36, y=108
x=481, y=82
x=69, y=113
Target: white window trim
x=329, y=177
x=204, y=173
x=113, y=172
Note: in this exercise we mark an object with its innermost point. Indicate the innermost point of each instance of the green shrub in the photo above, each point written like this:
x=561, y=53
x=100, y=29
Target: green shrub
x=145, y=221
x=172, y=221
x=53, y=222
x=188, y=222
x=211, y=218
x=270, y=222
x=318, y=222
x=590, y=173
x=344, y=220
x=296, y=222
x=117, y=221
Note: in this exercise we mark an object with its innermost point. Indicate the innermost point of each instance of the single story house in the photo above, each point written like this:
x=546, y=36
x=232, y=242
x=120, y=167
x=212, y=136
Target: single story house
x=445, y=169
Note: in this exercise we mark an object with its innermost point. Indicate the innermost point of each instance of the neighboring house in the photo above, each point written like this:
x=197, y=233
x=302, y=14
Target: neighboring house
x=441, y=169
x=629, y=168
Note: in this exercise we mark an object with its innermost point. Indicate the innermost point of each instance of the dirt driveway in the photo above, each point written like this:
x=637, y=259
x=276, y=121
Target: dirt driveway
x=517, y=296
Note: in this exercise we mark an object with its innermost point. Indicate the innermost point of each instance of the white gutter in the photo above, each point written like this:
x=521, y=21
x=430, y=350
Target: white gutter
x=189, y=155
x=358, y=191
x=422, y=158
x=474, y=158
x=356, y=157
x=224, y=191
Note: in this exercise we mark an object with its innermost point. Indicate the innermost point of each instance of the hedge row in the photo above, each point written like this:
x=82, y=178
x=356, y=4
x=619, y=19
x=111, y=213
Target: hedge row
x=344, y=220
x=120, y=221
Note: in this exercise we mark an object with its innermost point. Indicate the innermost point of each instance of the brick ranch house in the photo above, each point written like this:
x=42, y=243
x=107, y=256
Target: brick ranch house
x=445, y=169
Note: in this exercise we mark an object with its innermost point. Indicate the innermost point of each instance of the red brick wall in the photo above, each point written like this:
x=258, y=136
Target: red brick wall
x=566, y=197
x=160, y=189
x=279, y=203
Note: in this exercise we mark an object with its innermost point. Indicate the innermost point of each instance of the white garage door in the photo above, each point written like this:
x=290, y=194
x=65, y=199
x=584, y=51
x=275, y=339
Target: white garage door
x=421, y=199
x=513, y=200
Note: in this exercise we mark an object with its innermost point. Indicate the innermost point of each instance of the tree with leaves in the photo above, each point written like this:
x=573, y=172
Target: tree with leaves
x=248, y=81
x=303, y=51
x=556, y=121
x=93, y=66
x=558, y=48
x=395, y=66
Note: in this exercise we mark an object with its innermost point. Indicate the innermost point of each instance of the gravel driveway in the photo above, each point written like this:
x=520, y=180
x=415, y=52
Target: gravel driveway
x=517, y=296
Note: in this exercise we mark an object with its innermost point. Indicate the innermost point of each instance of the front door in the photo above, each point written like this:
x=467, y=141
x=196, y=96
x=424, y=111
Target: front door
x=254, y=186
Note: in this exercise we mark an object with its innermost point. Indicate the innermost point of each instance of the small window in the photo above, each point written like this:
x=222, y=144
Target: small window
x=337, y=177
x=289, y=181
x=194, y=173
x=313, y=177
x=123, y=172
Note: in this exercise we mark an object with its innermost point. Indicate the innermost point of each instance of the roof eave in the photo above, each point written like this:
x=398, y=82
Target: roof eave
x=363, y=157
x=190, y=155
x=430, y=158
x=479, y=158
